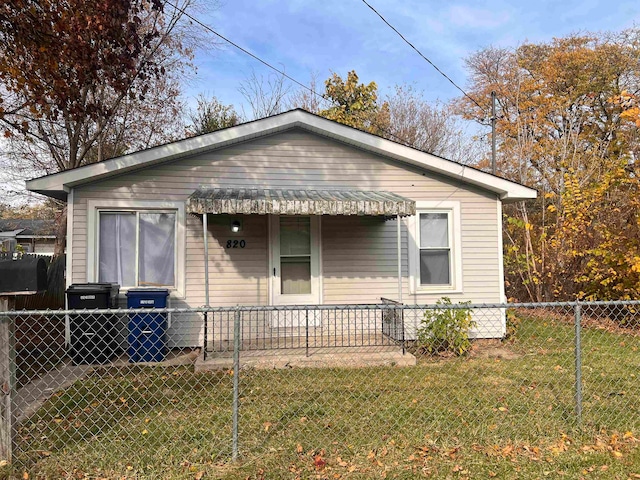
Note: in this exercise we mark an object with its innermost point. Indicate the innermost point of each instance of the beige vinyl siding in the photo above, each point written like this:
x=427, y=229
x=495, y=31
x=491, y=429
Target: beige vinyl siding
x=359, y=259
x=298, y=159
x=236, y=275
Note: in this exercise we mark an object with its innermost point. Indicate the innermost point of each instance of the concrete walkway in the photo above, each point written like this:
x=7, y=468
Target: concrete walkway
x=31, y=397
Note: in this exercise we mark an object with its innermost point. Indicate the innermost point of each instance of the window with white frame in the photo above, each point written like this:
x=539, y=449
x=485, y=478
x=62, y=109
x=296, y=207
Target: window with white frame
x=137, y=248
x=436, y=256
x=435, y=248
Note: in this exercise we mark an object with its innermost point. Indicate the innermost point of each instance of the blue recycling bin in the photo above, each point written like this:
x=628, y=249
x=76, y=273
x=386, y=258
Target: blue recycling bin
x=147, y=331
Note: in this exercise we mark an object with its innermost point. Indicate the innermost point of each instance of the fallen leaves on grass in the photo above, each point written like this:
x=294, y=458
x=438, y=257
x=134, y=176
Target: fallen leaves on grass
x=319, y=462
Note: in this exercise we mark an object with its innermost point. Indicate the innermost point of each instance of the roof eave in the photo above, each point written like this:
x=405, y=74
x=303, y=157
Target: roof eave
x=507, y=190
x=57, y=185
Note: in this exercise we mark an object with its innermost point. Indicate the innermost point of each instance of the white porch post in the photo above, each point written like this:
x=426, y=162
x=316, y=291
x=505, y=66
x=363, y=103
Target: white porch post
x=399, y=259
x=205, y=227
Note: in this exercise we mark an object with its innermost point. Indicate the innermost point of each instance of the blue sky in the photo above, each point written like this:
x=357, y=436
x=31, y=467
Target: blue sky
x=306, y=36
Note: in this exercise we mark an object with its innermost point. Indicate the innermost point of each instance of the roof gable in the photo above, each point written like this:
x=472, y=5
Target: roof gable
x=59, y=184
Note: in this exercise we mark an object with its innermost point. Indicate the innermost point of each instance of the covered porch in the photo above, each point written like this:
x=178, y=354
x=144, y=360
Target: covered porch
x=293, y=316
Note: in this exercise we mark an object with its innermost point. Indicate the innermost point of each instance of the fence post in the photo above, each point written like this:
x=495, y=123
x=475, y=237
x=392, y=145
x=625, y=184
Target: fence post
x=306, y=321
x=578, y=356
x=236, y=380
x=7, y=380
x=404, y=346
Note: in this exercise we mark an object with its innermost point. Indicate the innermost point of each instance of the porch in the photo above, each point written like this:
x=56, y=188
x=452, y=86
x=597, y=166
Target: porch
x=305, y=336
x=284, y=247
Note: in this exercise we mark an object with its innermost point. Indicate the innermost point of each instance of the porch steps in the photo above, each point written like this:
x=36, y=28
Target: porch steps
x=343, y=357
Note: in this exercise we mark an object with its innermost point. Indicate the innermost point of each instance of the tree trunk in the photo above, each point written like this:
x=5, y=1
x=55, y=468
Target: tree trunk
x=61, y=232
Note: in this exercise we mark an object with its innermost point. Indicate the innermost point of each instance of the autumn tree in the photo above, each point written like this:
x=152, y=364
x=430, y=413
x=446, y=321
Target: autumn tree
x=566, y=125
x=266, y=96
x=428, y=126
x=211, y=115
x=72, y=72
x=310, y=99
x=355, y=104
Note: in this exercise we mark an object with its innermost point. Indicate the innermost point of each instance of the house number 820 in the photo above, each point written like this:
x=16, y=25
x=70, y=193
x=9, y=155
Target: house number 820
x=236, y=244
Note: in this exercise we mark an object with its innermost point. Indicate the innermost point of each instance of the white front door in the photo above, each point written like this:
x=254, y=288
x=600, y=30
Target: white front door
x=295, y=270
x=295, y=264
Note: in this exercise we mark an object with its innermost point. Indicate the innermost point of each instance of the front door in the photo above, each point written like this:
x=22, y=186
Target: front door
x=295, y=262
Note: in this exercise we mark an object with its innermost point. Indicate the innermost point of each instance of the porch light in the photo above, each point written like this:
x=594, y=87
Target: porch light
x=236, y=226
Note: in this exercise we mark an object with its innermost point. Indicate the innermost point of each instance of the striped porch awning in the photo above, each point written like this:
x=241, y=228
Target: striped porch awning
x=262, y=201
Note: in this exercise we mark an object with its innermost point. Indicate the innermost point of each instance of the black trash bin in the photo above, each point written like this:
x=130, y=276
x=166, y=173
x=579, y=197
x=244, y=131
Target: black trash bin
x=147, y=331
x=93, y=336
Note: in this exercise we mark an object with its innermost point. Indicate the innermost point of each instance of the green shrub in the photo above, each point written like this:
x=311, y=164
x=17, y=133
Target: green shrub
x=445, y=330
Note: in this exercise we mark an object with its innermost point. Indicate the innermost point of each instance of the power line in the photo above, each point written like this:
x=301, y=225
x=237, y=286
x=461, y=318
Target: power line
x=281, y=72
x=207, y=27
x=422, y=55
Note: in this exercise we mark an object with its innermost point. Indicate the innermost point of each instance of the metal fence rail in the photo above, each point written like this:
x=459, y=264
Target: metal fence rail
x=304, y=327
x=110, y=392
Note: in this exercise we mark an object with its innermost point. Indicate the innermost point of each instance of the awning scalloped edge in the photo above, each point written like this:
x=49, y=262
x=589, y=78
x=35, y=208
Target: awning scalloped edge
x=262, y=201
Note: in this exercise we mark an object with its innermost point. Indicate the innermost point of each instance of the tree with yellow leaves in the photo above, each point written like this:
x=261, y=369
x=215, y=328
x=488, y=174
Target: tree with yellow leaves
x=568, y=125
x=355, y=104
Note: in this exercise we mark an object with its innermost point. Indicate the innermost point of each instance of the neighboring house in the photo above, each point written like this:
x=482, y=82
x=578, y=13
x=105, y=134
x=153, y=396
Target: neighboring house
x=30, y=236
x=300, y=210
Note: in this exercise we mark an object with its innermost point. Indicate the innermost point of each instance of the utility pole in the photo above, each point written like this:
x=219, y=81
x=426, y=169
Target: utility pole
x=493, y=132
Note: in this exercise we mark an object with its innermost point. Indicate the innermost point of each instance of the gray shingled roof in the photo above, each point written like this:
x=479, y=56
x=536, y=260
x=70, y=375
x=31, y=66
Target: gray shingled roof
x=247, y=201
x=29, y=227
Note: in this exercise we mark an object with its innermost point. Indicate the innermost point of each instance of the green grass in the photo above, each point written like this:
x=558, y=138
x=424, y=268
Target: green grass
x=467, y=417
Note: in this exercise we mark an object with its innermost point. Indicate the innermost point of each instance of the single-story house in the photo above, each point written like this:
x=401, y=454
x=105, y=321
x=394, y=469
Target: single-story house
x=32, y=236
x=297, y=209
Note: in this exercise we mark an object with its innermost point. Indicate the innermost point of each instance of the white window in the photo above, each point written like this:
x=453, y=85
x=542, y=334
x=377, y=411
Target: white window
x=136, y=243
x=436, y=255
x=435, y=248
x=137, y=248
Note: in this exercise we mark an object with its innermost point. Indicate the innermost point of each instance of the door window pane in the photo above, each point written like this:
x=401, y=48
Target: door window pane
x=157, y=249
x=434, y=267
x=295, y=275
x=117, y=251
x=434, y=230
x=295, y=236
